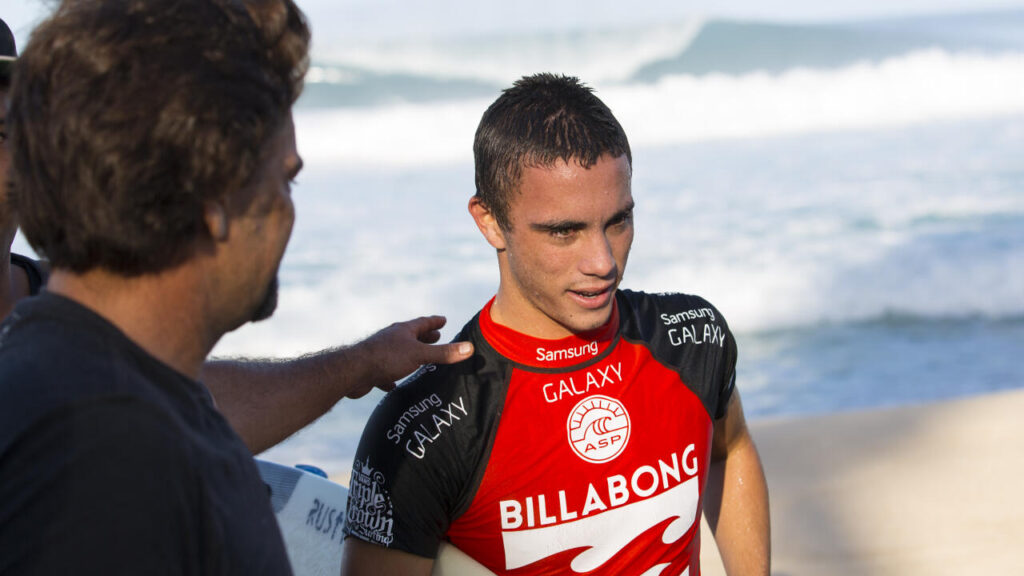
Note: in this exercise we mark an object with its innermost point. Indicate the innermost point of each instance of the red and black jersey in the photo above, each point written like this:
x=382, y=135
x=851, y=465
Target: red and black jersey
x=586, y=454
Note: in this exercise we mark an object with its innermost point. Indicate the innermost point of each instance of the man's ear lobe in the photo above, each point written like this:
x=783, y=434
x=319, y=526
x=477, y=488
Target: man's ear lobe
x=216, y=217
x=487, y=223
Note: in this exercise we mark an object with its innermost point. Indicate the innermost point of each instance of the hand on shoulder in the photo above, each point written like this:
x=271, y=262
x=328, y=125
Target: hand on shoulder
x=399, y=349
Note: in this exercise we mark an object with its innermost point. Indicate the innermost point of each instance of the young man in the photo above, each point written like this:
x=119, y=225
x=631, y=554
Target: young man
x=153, y=148
x=265, y=401
x=593, y=424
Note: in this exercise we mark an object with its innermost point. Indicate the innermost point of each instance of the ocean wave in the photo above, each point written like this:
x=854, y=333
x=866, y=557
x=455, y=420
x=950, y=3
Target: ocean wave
x=911, y=281
x=920, y=87
x=601, y=55
x=730, y=47
x=725, y=47
x=416, y=69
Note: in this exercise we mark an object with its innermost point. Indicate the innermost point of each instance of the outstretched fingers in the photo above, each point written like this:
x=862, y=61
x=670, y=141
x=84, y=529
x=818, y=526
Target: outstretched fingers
x=428, y=331
x=401, y=348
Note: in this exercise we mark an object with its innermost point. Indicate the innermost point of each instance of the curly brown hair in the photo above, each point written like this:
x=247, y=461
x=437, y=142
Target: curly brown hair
x=127, y=116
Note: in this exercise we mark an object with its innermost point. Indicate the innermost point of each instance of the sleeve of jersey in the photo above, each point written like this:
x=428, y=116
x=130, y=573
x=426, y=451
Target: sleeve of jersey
x=414, y=464
x=689, y=334
x=726, y=369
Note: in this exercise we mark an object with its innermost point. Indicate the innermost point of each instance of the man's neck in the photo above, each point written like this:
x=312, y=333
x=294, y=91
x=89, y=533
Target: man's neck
x=163, y=313
x=511, y=310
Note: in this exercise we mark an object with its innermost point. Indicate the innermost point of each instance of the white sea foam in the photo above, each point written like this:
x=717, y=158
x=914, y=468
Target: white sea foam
x=921, y=87
x=905, y=280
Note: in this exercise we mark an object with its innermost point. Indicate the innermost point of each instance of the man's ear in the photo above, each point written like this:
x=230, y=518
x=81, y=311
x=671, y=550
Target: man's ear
x=487, y=223
x=216, y=217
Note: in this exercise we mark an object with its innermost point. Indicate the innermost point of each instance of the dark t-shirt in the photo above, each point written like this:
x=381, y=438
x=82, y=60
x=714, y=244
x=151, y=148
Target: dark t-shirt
x=111, y=462
x=585, y=454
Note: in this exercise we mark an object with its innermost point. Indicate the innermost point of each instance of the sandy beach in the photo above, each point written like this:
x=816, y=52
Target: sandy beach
x=931, y=489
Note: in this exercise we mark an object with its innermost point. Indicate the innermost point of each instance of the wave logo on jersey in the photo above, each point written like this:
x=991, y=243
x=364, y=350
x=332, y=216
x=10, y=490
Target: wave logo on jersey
x=598, y=428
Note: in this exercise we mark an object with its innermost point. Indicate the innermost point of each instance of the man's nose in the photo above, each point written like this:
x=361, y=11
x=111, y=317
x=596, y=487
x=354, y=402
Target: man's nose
x=598, y=259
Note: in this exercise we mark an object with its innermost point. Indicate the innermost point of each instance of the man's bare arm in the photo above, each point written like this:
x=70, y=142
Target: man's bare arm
x=267, y=401
x=361, y=558
x=736, y=500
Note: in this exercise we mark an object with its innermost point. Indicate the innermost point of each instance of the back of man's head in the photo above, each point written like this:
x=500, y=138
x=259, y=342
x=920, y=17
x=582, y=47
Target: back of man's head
x=127, y=116
x=541, y=119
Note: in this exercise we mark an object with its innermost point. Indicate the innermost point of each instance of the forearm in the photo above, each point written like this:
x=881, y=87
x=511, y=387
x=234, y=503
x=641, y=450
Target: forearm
x=736, y=506
x=267, y=401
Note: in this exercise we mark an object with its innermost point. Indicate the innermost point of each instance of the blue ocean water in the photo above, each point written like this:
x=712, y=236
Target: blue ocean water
x=850, y=195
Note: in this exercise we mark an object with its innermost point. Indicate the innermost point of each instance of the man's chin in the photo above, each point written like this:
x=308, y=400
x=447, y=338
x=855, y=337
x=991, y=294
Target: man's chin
x=589, y=321
x=267, y=305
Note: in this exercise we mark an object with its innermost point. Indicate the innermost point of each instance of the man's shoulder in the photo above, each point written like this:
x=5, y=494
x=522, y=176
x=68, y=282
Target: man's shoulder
x=639, y=297
x=485, y=364
x=441, y=408
x=437, y=386
x=41, y=366
x=42, y=342
x=50, y=371
x=666, y=308
x=49, y=320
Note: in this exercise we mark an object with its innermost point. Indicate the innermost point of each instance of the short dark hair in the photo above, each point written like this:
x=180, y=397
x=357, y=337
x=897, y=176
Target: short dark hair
x=8, y=53
x=539, y=120
x=127, y=116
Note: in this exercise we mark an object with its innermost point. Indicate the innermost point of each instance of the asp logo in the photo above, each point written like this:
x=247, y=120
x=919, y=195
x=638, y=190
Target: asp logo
x=598, y=428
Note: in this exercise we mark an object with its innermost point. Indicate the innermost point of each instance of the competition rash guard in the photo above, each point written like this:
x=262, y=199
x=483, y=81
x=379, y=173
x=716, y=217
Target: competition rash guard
x=584, y=455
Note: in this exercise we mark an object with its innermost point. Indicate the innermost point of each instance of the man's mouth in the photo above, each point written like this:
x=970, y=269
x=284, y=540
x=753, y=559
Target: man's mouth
x=593, y=296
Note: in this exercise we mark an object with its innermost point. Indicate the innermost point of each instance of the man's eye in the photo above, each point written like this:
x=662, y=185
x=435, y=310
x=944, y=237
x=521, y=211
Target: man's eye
x=623, y=220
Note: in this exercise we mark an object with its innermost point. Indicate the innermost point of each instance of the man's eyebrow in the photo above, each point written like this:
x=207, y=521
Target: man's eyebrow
x=624, y=212
x=574, y=225
x=559, y=226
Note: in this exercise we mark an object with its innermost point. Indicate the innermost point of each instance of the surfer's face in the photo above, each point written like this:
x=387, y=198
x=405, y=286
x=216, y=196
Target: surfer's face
x=562, y=258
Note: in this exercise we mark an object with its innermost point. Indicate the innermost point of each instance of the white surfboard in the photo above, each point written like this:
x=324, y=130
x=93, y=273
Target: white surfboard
x=310, y=510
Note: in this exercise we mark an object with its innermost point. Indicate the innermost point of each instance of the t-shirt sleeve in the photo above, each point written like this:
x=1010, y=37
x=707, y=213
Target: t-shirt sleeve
x=725, y=393
x=723, y=374
x=411, y=469
x=717, y=356
x=691, y=336
x=81, y=490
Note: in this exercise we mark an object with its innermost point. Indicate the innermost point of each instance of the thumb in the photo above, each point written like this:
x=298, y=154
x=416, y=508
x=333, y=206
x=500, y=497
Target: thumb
x=449, y=353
